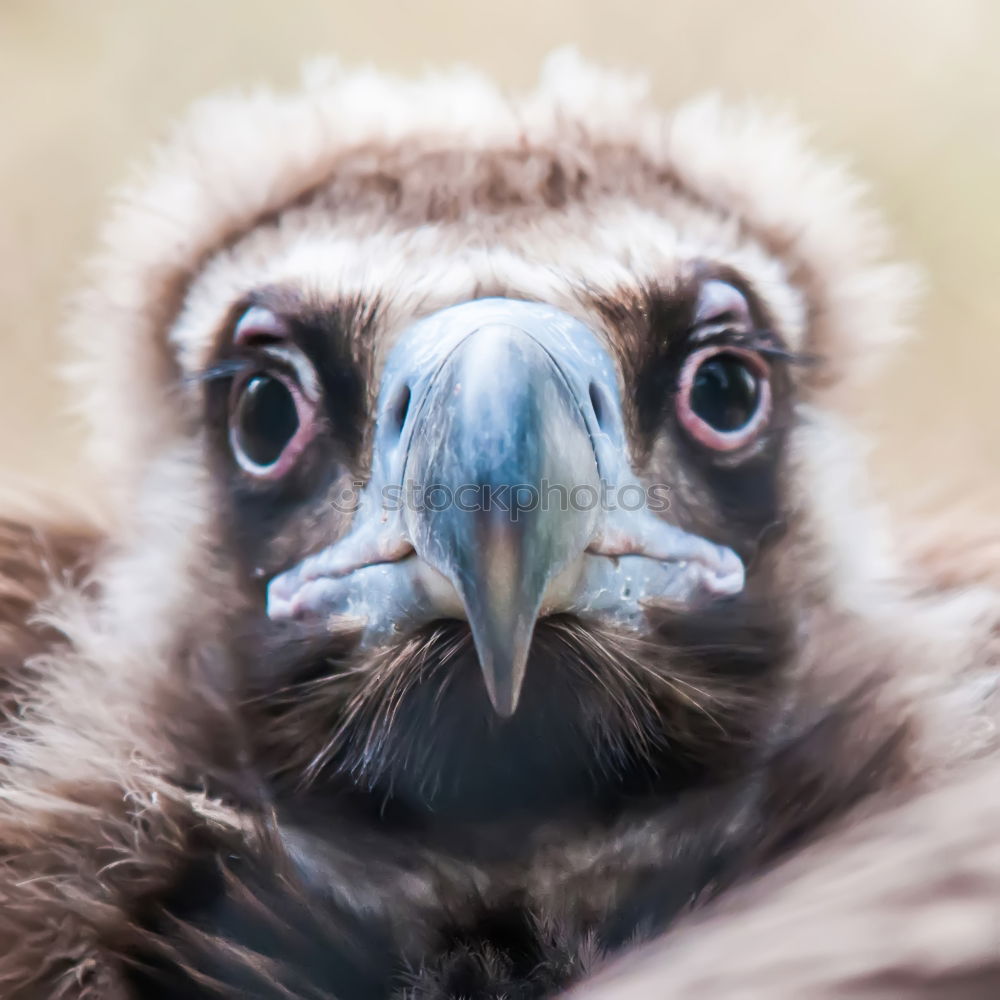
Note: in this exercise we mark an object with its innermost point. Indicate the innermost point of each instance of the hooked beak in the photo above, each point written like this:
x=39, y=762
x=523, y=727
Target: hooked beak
x=499, y=456
x=500, y=425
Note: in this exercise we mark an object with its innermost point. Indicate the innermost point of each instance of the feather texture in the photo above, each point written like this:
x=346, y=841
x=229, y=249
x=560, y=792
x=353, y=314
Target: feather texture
x=783, y=795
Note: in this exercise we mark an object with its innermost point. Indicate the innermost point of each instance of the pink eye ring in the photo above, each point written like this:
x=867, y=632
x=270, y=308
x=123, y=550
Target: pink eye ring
x=270, y=423
x=724, y=397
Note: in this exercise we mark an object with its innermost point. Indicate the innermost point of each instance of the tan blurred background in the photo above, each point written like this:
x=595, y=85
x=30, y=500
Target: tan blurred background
x=907, y=89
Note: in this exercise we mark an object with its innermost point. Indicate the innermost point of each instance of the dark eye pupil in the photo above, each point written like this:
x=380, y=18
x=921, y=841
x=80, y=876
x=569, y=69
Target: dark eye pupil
x=265, y=420
x=725, y=393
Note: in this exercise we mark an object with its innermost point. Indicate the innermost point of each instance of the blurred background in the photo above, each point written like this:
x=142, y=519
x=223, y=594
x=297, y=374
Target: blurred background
x=908, y=90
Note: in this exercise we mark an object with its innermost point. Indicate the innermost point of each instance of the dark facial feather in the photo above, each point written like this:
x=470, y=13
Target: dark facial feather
x=608, y=712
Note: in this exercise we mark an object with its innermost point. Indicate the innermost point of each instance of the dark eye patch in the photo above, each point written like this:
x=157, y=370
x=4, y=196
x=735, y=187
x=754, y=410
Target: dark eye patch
x=664, y=331
x=724, y=487
x=317, y=357
x=330, y=339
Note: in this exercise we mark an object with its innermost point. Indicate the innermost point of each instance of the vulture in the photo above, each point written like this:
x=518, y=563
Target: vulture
x=484, y=598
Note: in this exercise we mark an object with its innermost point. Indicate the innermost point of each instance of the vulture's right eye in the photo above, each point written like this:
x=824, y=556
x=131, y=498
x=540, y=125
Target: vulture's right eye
x=270, y=422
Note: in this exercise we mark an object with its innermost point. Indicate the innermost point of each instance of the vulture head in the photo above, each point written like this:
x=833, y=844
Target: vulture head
x=484, y=451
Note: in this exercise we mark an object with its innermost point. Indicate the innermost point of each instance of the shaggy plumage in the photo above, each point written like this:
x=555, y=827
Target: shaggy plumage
x=789, y=792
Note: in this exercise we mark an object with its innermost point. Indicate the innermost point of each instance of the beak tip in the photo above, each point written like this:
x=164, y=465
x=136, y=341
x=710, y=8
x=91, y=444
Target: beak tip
x=503, y=677
x=502, y=689
x=506, y=708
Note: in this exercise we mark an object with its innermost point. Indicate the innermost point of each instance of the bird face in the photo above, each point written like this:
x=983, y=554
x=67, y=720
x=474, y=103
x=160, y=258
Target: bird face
x=509, y=514
x=502, y=486
x=360, y=356
x=370, y=350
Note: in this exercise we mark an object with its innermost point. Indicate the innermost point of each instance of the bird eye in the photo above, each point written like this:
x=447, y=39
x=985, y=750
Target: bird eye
x=724, y=397
x=270, y=423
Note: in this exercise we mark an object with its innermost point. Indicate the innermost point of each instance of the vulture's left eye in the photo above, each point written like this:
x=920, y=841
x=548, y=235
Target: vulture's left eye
x=724, y=397
x=269, y=424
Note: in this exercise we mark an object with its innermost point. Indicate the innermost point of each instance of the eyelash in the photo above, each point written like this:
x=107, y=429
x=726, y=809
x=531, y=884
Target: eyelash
x=224, y=371
x=764, y=342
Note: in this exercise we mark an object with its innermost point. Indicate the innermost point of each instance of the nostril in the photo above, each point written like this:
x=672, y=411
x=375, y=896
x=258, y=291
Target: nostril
x=398, y=410
x=597, y=402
